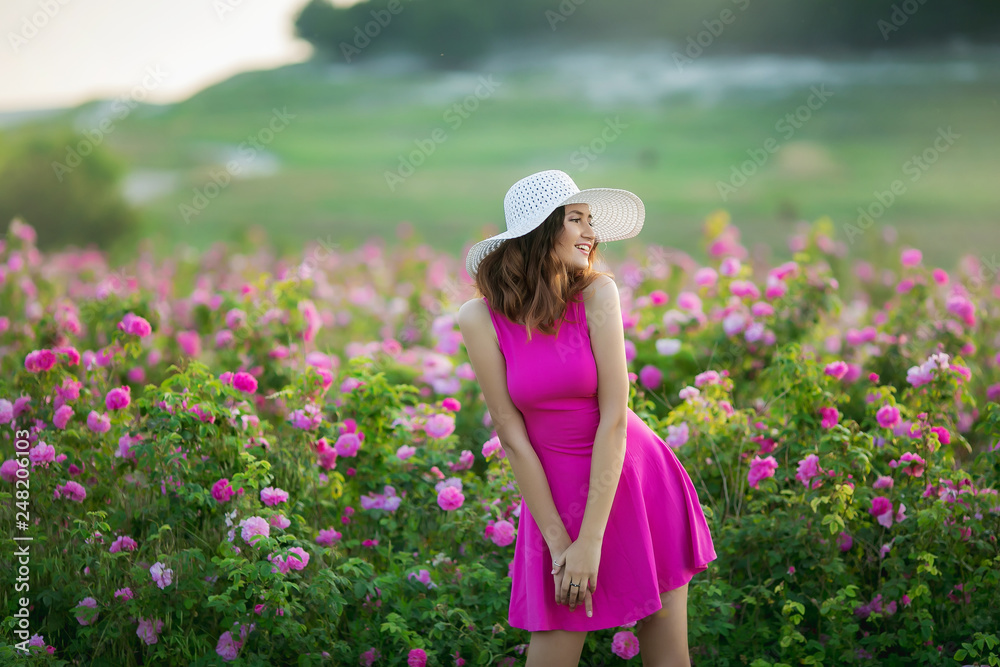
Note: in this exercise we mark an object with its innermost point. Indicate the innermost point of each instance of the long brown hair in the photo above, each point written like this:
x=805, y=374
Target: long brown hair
x=526, y=281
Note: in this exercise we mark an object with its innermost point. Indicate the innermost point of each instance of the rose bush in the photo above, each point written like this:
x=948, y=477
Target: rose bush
x=232, y=458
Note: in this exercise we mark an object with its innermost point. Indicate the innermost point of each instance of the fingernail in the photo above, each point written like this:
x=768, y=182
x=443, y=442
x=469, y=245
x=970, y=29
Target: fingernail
x=553, y=572
x=590, y=613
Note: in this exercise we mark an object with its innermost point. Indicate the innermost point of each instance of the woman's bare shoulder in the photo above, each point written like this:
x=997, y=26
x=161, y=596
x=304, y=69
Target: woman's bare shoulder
x=473, y=314
x=591, y=289
x=597, y=299
x=474, y=307
x=474, y=318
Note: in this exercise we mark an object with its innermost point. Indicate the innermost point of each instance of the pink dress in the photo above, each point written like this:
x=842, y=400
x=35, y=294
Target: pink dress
x=656, y=537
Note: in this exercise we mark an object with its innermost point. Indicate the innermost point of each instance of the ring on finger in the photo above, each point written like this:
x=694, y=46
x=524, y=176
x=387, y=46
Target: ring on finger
x=570, y=593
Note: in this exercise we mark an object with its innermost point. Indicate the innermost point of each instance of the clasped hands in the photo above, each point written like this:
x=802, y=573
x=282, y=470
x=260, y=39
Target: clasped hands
x=574, y=572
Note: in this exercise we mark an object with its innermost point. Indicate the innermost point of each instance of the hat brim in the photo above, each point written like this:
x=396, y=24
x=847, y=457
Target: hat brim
x=617, y=215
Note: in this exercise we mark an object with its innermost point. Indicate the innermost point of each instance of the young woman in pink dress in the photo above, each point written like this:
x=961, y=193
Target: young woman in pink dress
x=610, y=530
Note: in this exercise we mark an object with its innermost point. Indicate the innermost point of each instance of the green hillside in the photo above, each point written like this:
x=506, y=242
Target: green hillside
x=324, y=172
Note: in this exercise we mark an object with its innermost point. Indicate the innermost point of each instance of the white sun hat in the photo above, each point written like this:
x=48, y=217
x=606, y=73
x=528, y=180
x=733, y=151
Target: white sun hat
x=618, y=214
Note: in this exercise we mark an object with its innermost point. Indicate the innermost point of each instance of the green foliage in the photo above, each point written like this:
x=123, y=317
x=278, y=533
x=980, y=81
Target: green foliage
x=68, y=189
x=805, y=575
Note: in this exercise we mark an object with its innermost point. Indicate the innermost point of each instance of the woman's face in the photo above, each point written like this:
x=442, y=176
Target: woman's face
x=577, y=230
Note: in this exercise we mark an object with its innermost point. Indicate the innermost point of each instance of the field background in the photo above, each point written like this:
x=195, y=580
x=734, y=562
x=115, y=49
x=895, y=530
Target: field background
x=686, y=128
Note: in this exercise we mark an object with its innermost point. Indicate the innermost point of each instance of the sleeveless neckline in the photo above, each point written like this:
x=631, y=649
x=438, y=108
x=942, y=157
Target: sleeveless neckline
x=578, y=299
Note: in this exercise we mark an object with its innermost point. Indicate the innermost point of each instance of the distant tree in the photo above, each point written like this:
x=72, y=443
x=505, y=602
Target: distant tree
x=453, y=33
x=450, y=32
x=447, y=33
x=69, y=198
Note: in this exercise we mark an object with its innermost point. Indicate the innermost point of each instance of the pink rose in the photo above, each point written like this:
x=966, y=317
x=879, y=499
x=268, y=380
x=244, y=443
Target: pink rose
x=347, y=444
x=327, y=537
x=881, y=509
x=416, y=658
x=887, y=416
x=808, y=468
x=761, y=469
x=98, y=423
x=271, y=496
x=123, y=543
x=222, y=491
x=149, y=630
x=118, y=398
x=625, y=645
x=651, y=377
x=62, y=416
x=830, y=417
x=503, y=533
x=254, y=528
x=836, y=369
x=440, y=425
x=135, y=325
x=450, y=498
x=86, y=611
x=245, y=382
x=71, y=490
x=40, y=360
x=163, y=576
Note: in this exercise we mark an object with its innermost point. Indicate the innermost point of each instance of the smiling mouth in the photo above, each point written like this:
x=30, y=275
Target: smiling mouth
x=585, y=251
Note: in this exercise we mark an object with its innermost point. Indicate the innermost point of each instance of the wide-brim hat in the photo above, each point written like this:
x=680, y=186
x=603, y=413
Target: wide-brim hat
x=617, y=214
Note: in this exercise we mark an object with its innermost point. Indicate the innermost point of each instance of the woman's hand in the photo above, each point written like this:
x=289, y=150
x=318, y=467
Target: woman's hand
x=578, y=564
x=557, y=552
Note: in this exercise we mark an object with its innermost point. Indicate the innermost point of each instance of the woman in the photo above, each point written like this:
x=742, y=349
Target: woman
x=604, y=498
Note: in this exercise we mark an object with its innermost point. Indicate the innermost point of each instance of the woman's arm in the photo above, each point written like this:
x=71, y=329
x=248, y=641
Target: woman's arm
x=491, y=372
x=532, y=482
x=607, y=336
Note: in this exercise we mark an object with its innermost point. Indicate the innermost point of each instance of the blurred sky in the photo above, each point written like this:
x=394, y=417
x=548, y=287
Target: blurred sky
x=101, y=48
